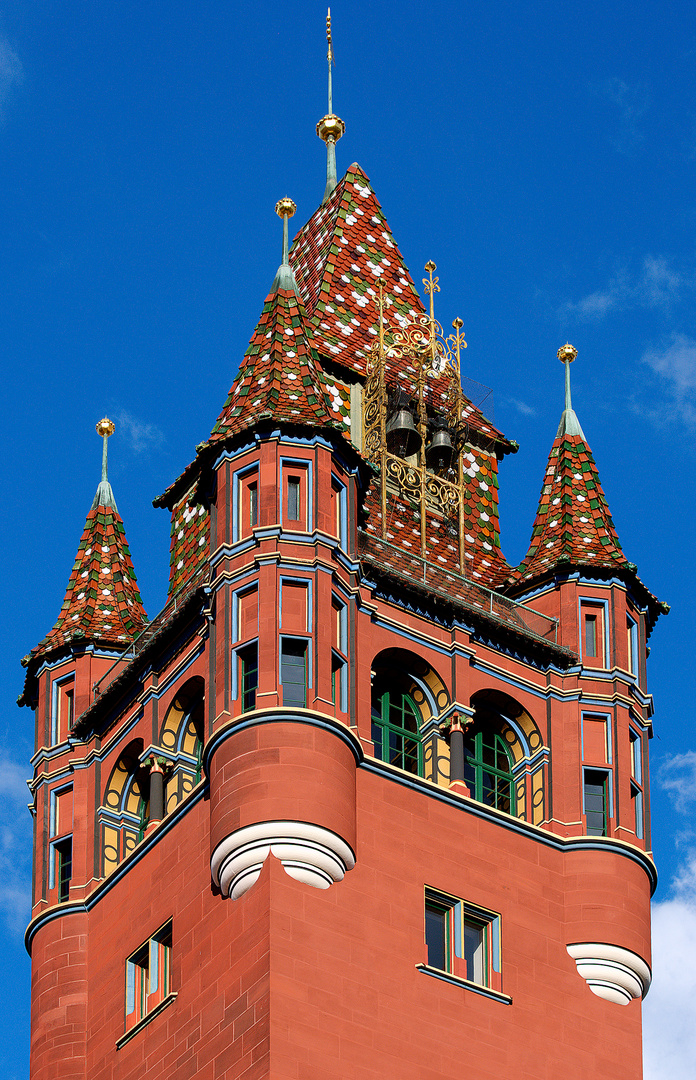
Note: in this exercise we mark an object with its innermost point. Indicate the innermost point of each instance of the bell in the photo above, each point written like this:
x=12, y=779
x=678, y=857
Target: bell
x=402, y=434
x=438, y=454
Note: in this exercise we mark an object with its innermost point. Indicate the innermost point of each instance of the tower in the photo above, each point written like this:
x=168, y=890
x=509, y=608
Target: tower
x=363, y=798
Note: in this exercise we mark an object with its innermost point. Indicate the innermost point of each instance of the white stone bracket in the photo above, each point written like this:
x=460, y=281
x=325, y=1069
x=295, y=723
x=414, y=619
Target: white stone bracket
x=611, y=972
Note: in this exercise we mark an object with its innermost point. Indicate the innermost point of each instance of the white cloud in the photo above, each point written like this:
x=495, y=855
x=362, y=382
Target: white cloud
x=655, y=284
x=15, y=847
x=677, y=776
x=675, y=365
x=11, y=71
x=669, y=1031
x=139, y=435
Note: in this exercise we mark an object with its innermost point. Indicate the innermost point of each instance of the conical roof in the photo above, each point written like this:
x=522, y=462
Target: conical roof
x=102, y=602
x=573, y=523
x=280, y=377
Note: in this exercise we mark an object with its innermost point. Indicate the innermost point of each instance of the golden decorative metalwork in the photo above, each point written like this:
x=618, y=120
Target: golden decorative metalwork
x=567, y=353
x=433, y=392
x=106, y=428
x=285, y=207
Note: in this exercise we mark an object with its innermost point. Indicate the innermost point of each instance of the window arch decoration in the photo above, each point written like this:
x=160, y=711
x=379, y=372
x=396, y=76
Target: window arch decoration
x=505, y=760
x=181, y=739
x=408, y=696
x=124, y=811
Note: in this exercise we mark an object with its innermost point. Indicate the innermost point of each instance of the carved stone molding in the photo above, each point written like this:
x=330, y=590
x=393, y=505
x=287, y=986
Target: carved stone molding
x=611, y=972
x=308, y=853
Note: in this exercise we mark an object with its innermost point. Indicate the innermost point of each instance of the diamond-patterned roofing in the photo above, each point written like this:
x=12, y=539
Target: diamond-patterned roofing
x=102, y=602
x=279, y=377
x=190, y=533
x=337, y=257
x=573, y=523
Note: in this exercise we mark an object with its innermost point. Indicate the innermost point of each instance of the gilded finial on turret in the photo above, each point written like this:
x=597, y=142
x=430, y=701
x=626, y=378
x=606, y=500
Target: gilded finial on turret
x=105, y=496
x=330, y=128
x=285, y=279
x=570, y=425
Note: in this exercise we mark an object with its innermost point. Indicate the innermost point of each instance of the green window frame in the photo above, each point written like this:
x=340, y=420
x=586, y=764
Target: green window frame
x=396, y=730
x=293, y=672
x=249, y=675
x=462, y=939
x=488, y=770
x=595, y=791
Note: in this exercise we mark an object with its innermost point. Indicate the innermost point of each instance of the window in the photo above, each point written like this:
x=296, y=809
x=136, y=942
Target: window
x=247, y=502
x=462, y=939
x=632, y=636
x=62, y=709
x=148, y=976
x=595, y=799
x=592, y=631
x=293, y=672
x=487, y=769
x=249, y=675
x=596, y=740
x=637, y=780
x=296, y=495
x=60, y=851
x=396, y=728
x=339, y=512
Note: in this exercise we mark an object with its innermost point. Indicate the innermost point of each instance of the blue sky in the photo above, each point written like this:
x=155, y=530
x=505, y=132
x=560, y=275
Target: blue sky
x=541, y=153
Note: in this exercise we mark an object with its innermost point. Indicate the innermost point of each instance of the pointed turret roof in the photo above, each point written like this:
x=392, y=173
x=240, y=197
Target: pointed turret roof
x=573, y=523
x=280, y=377
x=102, y=602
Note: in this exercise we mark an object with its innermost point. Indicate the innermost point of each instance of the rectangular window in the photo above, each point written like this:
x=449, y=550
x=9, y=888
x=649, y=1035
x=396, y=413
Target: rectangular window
x=148, y=976
x=293, y=672
x=592, y=630
x=295, y=495
x=63, y=857
x=462, y=939
x=63, y=709
x=339, y=512
x=247, y=502
x=636, y=747
x=295, y=615
x=595, y=798
x=293, y=498
x=249, y=675
x=632, y=636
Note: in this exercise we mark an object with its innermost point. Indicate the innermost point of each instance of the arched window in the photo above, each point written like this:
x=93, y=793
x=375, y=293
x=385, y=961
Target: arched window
x=396, y=727
x=488, y=768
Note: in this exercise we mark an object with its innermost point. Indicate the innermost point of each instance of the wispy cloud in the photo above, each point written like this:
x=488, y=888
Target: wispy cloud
x=11, y=71
x=15, y=846
x=669, y=1033
x=630, y=102
x=656, y=284
x=140, y=436
x=521, y=406
x=674, y=392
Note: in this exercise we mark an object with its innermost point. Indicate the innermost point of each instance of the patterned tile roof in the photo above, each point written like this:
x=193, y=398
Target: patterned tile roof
x=337, y=257
x=102, y=602
x=279, y=377
x=573, y=523
x=190, y=533
x=484, y=562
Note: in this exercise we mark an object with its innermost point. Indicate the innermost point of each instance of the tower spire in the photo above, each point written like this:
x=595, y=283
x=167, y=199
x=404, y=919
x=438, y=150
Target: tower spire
x=569, y=425
x=330, y=128
x=285, y=279
x=104, y=495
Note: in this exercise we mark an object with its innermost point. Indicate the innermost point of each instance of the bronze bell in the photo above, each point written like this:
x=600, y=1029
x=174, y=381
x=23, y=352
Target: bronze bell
x=438, y=454
x=402, y=434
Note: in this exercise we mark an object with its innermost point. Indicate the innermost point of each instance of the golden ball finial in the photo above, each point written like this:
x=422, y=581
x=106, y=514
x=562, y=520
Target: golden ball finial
x=106, y=427
x=567, y=353
x=330, y=128
x=285, y=208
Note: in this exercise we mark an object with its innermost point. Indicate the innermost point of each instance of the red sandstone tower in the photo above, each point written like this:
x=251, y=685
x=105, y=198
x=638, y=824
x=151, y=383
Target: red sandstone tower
x=363, y=800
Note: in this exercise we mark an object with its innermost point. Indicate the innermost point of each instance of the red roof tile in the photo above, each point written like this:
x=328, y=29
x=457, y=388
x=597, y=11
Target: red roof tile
x=102, y=602
x=573, y=523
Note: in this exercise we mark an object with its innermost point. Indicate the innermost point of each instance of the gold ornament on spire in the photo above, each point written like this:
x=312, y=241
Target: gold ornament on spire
x=106, y=428
x=330, y=128
x=285, y=207
x=567, y=353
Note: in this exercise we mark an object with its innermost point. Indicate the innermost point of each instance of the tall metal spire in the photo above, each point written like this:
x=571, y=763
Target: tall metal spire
x=569, y=425
x=330, y=128
x=285, y=279
x=104, y=495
